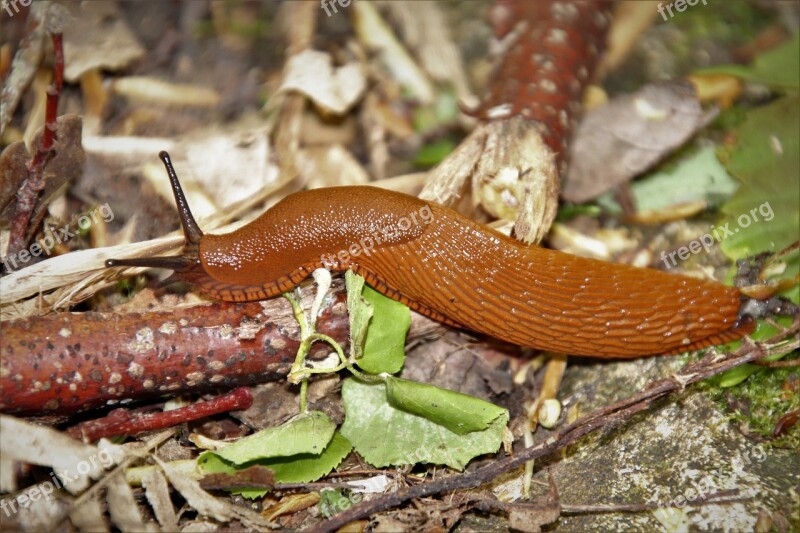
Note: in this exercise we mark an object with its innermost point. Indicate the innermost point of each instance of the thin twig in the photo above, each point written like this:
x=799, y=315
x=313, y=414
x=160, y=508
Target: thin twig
x=133, y=422
x=31, y=187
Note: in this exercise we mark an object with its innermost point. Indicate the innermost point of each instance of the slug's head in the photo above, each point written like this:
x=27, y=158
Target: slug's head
x=187, y=265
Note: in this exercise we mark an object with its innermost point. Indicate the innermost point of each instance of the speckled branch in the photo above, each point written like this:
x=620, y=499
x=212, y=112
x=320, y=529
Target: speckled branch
x=65, y=363
x=552, y=53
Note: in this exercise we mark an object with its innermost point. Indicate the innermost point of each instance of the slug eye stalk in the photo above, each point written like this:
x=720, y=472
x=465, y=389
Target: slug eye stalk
x=191, y=232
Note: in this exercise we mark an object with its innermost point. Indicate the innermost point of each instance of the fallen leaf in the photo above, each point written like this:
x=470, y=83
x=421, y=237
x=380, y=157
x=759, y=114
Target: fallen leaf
x=619, y=141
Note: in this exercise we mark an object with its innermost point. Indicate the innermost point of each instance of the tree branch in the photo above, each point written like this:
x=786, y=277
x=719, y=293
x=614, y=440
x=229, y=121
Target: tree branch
x=65, y=363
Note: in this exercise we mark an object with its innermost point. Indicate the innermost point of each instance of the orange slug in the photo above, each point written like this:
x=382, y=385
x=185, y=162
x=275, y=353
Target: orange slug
x=457, y=271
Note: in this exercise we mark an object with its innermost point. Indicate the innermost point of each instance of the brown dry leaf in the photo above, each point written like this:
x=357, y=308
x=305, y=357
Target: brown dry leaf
x=332, y=89
x=207, y=505
x=12, y=172
x=122, y=508
x=233, y=163
x=530, y=519
x=38, y=513
x=256, y=477
x=66, y=166
x=274, y=403
x=146, y=90
x=98, y=38
x=90, y=515
x=291, y=504
x=452, y=363
x=375, y=34
x=157, y=494
x=330, y=166
x=630, y=134
x=427, y=33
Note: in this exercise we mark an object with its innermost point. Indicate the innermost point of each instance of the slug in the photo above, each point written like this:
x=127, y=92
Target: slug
x=456, y=271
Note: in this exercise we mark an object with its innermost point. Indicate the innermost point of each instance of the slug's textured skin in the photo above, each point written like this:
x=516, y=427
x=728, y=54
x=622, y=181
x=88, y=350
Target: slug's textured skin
x=462, y=273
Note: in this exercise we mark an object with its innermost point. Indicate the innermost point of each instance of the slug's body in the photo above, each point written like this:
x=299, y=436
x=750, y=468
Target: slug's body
x=457, y=271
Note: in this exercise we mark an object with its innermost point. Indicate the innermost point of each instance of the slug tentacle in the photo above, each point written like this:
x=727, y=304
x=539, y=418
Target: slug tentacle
x=189, y=261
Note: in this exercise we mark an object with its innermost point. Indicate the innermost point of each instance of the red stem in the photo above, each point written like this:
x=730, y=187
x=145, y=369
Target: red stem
x=124, y=422
x=29, y=191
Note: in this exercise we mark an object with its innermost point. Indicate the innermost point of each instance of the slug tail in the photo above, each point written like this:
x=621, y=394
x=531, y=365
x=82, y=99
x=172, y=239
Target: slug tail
x=744, y=326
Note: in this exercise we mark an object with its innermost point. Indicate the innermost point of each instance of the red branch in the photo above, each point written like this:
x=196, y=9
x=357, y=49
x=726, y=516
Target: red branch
x=69, y=362
x=125, y=422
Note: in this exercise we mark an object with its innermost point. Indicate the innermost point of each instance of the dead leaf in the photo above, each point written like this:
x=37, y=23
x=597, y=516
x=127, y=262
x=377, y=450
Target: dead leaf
x=291, y=504
x=98, y=38
x=122, y=507
x=90, y=515
x=333, y=89
x=253, y=477
x=157, y=494
x=146, y=90
x=329, y=166
x=65, y=167
x=630, y=134
x=206, y=504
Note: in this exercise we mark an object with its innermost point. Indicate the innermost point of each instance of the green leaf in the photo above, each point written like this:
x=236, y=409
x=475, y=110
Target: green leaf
x=385, y=435
x=764, y=330
x=307, y=467
x=458, y=412
x=301, y=450
x=300, y=468
x=433, y=153
x=308, y=433
x=384, y=349
x=360, y=312
x=699, y=177
x=778, y=68
x=334, y=501
x=764, y=214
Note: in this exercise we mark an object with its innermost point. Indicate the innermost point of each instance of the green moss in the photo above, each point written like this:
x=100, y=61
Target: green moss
x=759, y=401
